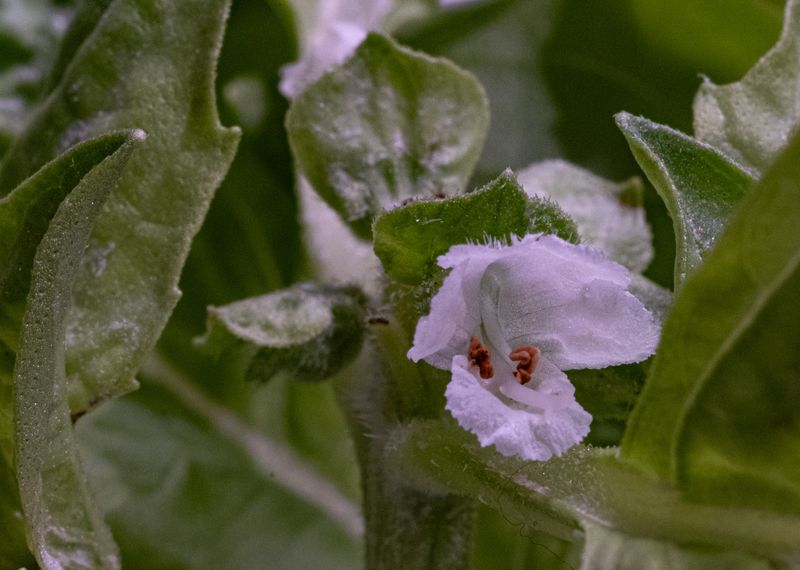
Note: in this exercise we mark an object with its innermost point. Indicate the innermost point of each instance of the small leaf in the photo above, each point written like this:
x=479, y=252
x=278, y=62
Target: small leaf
x=147, y=65
x=699, y=185
x=410, y=238
x=605, y=549
x=751, y=120
x=387, y=125
x=719, y=415
x=608, y=215
x=64, y=527
x=24, y=218
x=309, y=330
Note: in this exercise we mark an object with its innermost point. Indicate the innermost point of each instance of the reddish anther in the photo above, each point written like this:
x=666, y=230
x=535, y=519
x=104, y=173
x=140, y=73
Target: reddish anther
x=479, y=356
x=526, y=357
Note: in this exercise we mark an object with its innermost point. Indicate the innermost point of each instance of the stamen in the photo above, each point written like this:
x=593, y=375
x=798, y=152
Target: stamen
x=479, y=356
x=526, y=357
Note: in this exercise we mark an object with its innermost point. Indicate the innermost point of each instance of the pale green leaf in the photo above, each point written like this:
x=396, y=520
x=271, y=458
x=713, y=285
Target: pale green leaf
x=409, y=239
x=719, y=415
x=309, y=331
x=583, y=485
x=752, y=120
x=148, y=65
x=185, y=483
x=24, y=218
x=608, y=215
x=699, y=185
x=64, y=528
x=387, y=125
x=605, y=549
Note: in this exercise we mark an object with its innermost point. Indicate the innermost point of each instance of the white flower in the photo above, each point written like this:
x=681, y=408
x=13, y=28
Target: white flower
x=542, y=297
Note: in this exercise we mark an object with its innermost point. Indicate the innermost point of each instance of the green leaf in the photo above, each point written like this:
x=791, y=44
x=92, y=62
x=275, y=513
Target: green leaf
x=310, y=331
x=718, y=416
x=14, y=551
x=608, y=215
x=410, y=238
x=187, y=483
x=583, y=485
x=25, y=215
x=699, y=185
x=64, y=527
x=751, y=120
x=387, y=125
x=605, y=549
x=148, y=65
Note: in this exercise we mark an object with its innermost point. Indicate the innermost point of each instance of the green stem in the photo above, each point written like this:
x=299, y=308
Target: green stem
x=405, y=527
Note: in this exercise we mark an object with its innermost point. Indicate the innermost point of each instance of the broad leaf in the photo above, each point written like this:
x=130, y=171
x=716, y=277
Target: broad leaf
x=751, y=120
x=699, y=185
x=309, y=331
x=608, y=393
x=608, y=215
x=64, y=527
x=149, y=65
x=410, y=238
x=180, y=494
x=605, y=549
x=387, y=125
x=24, y=218
x=718, y=416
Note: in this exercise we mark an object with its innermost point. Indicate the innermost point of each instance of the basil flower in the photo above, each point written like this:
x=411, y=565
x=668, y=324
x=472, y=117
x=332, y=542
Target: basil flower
x=509, y=319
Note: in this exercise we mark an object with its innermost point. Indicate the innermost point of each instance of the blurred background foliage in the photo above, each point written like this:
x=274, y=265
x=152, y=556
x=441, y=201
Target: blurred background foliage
x=181, y=495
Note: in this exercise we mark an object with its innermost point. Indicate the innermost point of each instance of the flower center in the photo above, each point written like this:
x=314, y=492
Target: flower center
x=526, y=357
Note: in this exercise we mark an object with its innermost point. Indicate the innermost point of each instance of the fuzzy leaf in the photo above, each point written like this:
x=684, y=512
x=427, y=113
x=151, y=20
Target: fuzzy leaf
x=608, y=215
x=409, y=239
x=147, y=64
x=387, y=125
x=583, y=485
x=751, y=120
x=310, y=331
x=64, y=527
x=719, y=415
x=24, y=218
x=699, y=185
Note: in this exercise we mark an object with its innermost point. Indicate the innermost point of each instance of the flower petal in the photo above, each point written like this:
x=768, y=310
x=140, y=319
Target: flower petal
x=454, y=316
x=569, y=301
x=516, y=430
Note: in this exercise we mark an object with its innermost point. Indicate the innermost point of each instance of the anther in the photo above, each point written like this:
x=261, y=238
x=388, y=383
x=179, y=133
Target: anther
x=479, y=356
x=526, y=357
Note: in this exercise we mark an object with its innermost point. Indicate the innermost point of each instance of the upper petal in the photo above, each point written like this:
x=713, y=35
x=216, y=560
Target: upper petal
x=514, y=429
x=569, y=301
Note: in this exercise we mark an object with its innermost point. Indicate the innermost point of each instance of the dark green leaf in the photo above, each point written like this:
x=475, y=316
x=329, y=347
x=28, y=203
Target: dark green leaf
x=64, y=527
x=387, y=125
x=309, y=331
x=146, y=64
x=751, y=120
x=699, y=185
x=719, y=414
x=610, y=393
x=410, y=238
